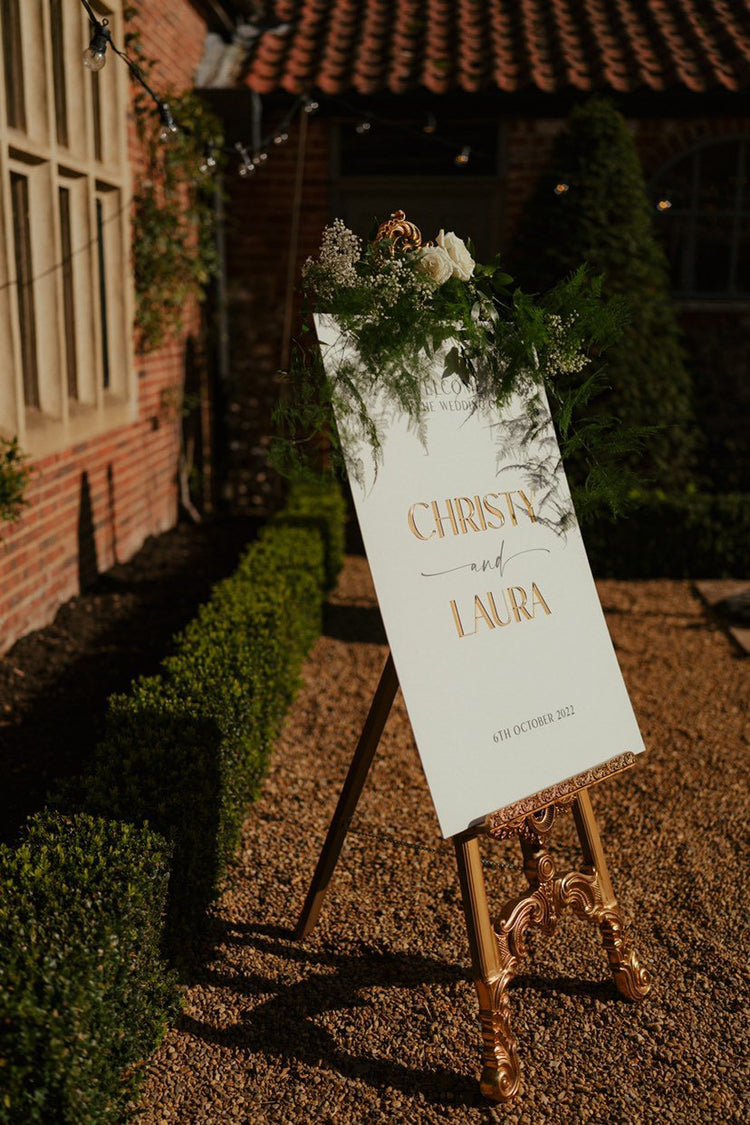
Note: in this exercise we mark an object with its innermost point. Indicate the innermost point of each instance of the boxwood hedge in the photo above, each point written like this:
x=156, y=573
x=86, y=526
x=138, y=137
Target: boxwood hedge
x=83, y=993
x=185, y=750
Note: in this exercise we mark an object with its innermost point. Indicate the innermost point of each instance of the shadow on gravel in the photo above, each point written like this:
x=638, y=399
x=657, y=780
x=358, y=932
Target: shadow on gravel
x=284, y=1027
x=354, y=624
x=602, y=990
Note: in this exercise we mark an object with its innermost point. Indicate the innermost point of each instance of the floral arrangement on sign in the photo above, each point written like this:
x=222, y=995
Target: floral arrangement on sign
x=398, y=301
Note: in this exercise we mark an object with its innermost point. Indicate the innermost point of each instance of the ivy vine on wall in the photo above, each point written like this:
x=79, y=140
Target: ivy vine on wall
x=174, y=246
x=14, y=478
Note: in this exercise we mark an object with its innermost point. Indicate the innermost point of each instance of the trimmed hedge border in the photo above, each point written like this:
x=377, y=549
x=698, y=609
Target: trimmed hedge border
x=84, y=994
x=185, y=751
x=687, y=536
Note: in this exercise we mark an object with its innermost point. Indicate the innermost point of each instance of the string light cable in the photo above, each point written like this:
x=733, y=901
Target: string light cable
x=365, y=120
x=95, y=58
x=249, y=157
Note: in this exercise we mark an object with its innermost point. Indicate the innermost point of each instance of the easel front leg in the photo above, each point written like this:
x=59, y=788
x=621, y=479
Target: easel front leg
x=501, y=1075
x=631, y=979
x=377, y=717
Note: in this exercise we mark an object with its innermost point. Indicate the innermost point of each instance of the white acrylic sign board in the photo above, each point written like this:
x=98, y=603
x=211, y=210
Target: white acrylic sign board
x=498, y=637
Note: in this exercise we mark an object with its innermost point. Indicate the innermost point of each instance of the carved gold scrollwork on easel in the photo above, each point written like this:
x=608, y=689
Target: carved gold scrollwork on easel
x=501, y=1067
x=497, y=948
x=587, y=893
x=532, y=826
x=631, y=979
x=399, y=233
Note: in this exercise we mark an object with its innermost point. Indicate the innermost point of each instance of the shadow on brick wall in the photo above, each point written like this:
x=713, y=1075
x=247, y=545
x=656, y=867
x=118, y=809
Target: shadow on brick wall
x=88, y=563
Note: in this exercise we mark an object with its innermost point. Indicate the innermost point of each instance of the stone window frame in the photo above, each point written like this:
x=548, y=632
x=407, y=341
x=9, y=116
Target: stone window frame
x=79, y=195
x=678, y=224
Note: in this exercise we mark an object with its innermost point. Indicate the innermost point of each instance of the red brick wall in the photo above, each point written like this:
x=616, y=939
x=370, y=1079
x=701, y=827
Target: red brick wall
x=130, y=472
x=259, y=245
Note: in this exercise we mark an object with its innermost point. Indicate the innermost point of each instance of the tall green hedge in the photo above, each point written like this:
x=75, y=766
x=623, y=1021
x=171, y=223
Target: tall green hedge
x=689, y=536
x=83, y=993
x=606, y=220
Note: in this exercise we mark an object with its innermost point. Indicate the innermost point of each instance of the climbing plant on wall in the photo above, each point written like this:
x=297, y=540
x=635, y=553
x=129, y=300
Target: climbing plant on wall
x=174, y=248
x=14, y=478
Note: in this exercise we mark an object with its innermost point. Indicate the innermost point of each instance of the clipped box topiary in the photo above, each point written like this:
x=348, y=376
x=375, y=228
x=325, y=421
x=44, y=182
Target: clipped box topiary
x=84, y=995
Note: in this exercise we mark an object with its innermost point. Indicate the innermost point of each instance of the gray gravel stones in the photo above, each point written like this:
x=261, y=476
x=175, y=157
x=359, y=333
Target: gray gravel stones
x=374, y=1017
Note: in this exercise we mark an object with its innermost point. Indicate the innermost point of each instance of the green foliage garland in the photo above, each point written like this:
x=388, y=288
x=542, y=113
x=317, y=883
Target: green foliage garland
x=398, y=305
x=174, y=245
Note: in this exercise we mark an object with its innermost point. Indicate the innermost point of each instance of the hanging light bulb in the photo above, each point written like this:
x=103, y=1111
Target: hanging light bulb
x=663, y=205
x=246, y=168
x=430, y=125
x=95, y=55
x=281, y=138
x=208, y=163
x=463, y=157
x=561, y=188
x=362, y=127
x=311, y=106
x=169, y=127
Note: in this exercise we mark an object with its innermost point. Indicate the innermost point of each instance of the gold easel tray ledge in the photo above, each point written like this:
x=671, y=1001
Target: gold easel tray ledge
x=495, y=822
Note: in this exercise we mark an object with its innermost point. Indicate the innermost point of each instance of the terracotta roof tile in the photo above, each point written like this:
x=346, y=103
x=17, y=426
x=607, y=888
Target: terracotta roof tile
x=395, y=46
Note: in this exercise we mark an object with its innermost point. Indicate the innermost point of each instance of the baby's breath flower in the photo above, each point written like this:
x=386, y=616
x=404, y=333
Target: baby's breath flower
x=565, y=355
x=336, y=265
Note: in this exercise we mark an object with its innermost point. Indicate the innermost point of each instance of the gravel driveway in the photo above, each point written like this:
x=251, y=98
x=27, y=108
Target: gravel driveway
x=374, y=1017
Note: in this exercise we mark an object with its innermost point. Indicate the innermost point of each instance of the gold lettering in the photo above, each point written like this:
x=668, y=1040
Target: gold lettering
x=481, y=614
x=480, y=513
x=511, y=509
x=466, y=520
x=460, y=514
x=457, y=619
x=439, y=520
x=528, y=503
x=517, y=608
x=493, y=511
x=413, y=523
x=495, y=614
x=537, y=599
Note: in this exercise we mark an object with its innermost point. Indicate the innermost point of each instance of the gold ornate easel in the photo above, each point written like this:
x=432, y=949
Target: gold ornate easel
x=497, y=947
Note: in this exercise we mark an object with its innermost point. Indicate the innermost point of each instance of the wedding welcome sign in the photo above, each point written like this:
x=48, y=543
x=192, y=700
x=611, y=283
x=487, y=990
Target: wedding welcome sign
x=506, y=666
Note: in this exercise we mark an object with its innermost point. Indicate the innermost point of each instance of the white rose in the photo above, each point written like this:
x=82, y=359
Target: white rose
x=435, y=263
x=461, y=260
